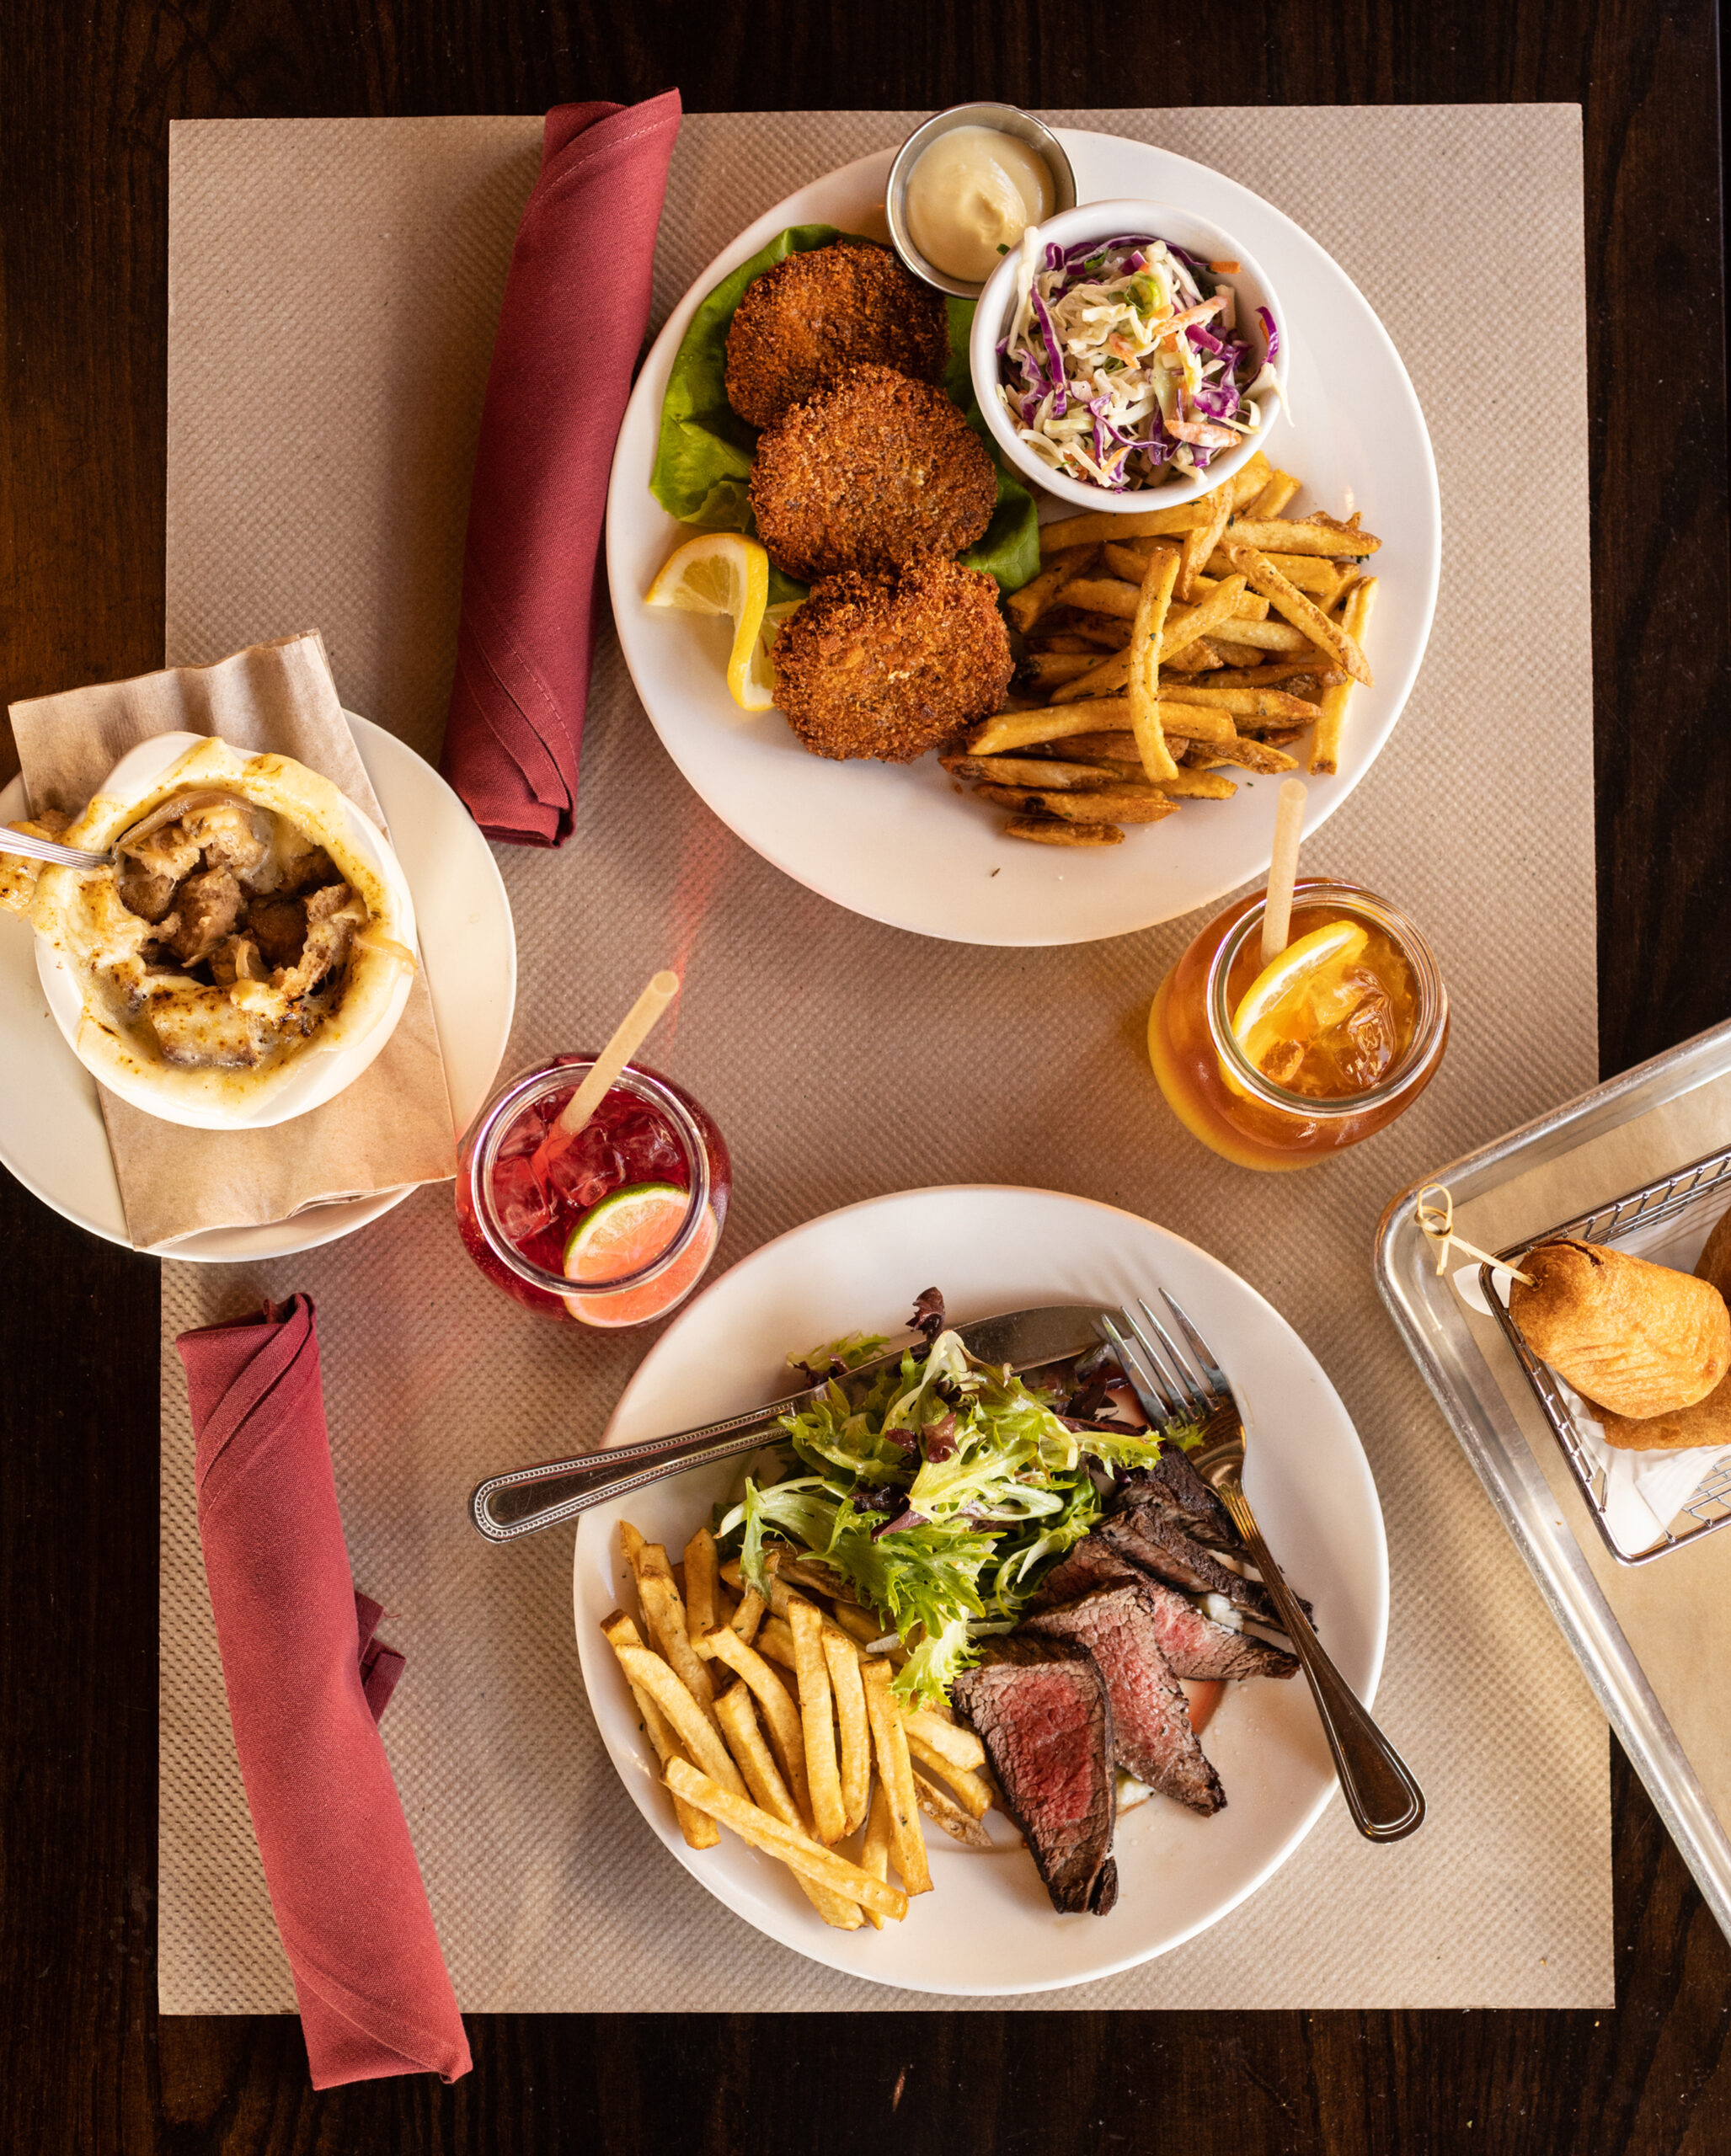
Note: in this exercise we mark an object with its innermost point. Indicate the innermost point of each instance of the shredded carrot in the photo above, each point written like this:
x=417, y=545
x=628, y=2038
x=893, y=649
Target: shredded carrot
x=1226, y=269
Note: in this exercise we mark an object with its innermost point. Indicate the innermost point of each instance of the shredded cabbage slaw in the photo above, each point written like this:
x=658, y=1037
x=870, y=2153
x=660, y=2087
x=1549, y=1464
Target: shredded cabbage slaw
x=1119, y=370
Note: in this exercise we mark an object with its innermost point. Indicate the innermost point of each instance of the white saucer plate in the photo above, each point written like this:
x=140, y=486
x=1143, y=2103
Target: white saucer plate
x=51, y=1135
x=896, y=842
x=988, y=1928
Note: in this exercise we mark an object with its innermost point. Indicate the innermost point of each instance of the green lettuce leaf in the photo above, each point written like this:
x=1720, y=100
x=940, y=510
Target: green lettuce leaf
x=703, y=456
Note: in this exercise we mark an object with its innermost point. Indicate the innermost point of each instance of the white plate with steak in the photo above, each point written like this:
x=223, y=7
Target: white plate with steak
x=1236, y=1794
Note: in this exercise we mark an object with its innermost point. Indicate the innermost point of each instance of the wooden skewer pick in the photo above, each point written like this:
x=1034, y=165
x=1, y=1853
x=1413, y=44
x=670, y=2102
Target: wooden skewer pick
x=1435, y=1210
x=633, y=1032
x=1283, y=869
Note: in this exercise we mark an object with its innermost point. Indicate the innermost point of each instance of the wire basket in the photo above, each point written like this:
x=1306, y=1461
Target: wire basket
x=1667, y=1202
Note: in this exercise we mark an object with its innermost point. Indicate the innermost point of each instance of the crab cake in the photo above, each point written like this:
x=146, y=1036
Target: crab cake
x=888, y=666
x=867, y=475
x=801, y=324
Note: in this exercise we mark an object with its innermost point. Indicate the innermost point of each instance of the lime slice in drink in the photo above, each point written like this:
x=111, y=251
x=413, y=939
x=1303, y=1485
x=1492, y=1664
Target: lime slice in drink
x=624, y=1233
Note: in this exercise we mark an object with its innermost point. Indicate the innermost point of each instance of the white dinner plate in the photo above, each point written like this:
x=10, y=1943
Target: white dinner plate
x=896, y=842
x=51, y=1135
x=987, y=1927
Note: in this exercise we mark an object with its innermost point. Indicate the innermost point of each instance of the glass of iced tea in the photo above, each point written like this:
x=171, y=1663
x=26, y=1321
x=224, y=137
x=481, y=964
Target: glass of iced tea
x=1274, y=1066
x=613, y=1227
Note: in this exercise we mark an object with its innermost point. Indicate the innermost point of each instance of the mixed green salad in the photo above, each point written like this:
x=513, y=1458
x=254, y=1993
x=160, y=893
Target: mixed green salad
x=942, y=1490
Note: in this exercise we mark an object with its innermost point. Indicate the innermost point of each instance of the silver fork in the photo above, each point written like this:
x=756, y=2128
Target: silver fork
x=1174, y=1384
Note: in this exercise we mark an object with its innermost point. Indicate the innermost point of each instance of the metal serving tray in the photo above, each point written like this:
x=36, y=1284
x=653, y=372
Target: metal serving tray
x=1649, y=1218
x=1434, y=1324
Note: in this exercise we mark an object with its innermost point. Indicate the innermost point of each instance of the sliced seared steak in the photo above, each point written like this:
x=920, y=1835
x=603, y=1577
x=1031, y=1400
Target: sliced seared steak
x=1173, y=1489
x=1153, y=1543
x=1196, y=1648
x=1041, y=1708
x=1152, y=1736
x=1090, y=1564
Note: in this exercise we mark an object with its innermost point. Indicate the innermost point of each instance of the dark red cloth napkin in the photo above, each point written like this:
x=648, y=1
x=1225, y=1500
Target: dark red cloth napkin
x=576, y=305
x=305, y=1682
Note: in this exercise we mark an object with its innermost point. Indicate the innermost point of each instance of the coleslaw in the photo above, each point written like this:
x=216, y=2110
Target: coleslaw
x=1125, y=363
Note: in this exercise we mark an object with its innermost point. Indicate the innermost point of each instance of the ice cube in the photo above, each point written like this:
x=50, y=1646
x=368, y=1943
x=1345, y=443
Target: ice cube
x=1370, y=1043
x=581, y=1170
x=523, y=1204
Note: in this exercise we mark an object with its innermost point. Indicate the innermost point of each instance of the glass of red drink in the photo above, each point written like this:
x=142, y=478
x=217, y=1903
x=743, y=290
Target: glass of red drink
x=614, y=1227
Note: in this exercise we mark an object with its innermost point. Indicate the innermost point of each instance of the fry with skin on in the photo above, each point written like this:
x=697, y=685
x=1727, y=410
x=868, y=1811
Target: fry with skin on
x=700, y=1831
x=971, y=1792
x=794, y=1849
x=1304, y=614
x=1041, y=831
x=748, y=1616
x=1248, y=755
x=1116, y=804
x=739, y=1724
x=1198, y=786
x=959, y=1746
x=664, y=1612
x=1312, y=572
x=1325, y=742
x=1217, y=611
x=842, y=1658
x=779, y=1711
x=1255, y=637
x=874, y=1851
x=1308, y=535
x=701, y=1586
x=1026, y=605
x=1024, y=771
x=1245, y=703
x=1050, y=670
x=1103, y=678
x=936, y=1803
x=897, y=1770
x=829, y=1811
x=1143, y=680
x=642, y=1556
x=698, y=1736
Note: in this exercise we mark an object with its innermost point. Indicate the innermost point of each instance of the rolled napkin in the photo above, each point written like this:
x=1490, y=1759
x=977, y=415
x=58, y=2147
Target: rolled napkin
x=305, y=1682
x=576, y=306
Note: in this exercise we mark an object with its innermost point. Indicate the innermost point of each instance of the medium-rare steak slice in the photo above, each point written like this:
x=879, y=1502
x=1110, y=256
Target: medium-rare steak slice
x=1174, y=1487
x=1196, y=1648
x=1091, y=1563
x=1152, y=1736
x=1041, y=1708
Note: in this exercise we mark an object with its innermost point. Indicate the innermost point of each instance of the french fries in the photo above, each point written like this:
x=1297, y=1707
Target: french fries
x=1261, y=635
x=664, y=1612
x=1325, y=742
x=739, y=1723
x=874, y=1851
x=776, y=1839
x=841, y=1657
x=701, y=1585
x=700, y=1832
x=748, y=1616
x=829, y=1810
x=698, y=1736
x=972, y=1792
x=779, y=1710
x=936, y=1803
x=889, y=1739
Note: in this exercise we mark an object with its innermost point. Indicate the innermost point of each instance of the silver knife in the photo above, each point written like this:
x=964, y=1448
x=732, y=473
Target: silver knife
x=529, y=1498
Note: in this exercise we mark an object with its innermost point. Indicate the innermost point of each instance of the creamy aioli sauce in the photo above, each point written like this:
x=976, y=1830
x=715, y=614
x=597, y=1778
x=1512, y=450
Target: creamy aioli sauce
x=971, y=195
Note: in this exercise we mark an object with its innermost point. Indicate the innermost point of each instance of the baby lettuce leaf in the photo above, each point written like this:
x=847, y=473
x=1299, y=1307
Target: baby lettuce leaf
x=703, y=457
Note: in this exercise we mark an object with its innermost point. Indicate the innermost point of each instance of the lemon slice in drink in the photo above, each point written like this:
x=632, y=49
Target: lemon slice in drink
x=626, y=1231
x=1276, y=1002
x=725, y=572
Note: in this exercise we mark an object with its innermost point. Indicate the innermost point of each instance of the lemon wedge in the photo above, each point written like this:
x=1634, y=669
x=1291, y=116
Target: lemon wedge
x=725, y=572
x=1300, y=981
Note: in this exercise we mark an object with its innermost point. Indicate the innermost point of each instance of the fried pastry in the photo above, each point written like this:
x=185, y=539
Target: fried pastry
x=1708, y=1422
x=1714, y=1263
x=1636, y=1338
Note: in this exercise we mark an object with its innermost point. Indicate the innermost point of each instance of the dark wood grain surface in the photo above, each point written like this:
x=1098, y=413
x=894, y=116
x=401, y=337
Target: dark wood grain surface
x=86, y=96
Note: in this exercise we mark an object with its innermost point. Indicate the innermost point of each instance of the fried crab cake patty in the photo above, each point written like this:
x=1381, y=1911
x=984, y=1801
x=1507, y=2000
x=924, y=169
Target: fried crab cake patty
x=888, y=666
x=802, y=323
x=867, y=475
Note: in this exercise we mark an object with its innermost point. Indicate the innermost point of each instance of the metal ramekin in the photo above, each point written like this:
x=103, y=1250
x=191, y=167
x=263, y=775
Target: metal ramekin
x=1008, y=119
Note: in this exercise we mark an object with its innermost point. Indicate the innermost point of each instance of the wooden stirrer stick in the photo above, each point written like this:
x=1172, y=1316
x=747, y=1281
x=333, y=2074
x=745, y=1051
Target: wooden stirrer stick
x=633, y=1032
x=1283, y=870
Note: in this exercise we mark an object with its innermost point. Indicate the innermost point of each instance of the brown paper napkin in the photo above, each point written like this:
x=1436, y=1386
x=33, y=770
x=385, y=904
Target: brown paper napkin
x=388, y=1130
x=1675, y=1613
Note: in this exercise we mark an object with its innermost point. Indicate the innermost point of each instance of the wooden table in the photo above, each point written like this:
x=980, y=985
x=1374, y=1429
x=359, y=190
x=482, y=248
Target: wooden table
x=88, y=94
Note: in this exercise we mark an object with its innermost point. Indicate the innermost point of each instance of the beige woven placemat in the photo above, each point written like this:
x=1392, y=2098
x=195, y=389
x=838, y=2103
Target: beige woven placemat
x=335, y=284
